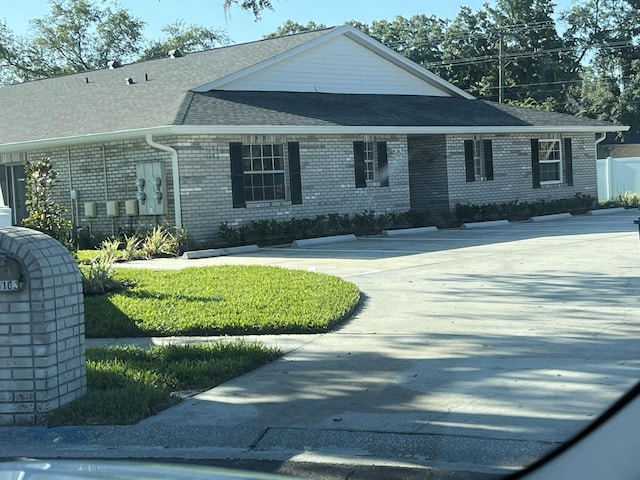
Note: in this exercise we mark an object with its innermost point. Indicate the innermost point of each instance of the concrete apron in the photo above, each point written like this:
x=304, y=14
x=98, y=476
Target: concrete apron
x=475, y=350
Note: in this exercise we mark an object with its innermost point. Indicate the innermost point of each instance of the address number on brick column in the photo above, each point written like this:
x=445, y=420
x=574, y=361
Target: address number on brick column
x=10, y=274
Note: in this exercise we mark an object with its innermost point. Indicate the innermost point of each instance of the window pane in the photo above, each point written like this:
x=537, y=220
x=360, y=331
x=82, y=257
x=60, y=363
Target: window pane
x=269, y=194
x=549, y=150
x=549, y=172
x=278, y=179
x=259, y=162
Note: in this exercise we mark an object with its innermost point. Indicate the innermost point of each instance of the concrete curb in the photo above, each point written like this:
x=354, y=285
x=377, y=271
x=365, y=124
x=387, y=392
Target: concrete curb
x=409, y=231
x=309, y=242
x=219, y=252
x=606, y=211
x=546, y=218
x=492, y=223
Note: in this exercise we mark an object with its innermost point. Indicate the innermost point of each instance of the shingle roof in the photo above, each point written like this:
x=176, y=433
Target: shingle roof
x=69, y=106
x=162, y=94
x=323, y=109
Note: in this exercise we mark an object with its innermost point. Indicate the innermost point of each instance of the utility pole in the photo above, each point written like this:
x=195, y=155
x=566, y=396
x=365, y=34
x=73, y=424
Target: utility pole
x=500, y=70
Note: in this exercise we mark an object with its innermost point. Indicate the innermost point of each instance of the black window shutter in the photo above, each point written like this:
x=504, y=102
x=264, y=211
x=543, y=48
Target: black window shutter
x=383, y=164
x=488, y=160
x=237, y=175
x=469, y=164
x=295, y=177
x=568, y=162
x=535, y=163
x=358, y=164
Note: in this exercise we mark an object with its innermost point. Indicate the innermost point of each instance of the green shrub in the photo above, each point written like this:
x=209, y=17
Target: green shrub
x=626, y=200
x=270, y=232
x=44, y=213
x=98, y=276
x=516, y=210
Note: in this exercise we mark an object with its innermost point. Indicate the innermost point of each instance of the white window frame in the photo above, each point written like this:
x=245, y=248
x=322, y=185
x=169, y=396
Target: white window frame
x=544, y=152
x=369, y=161
x=259, y=162
x=479, y=166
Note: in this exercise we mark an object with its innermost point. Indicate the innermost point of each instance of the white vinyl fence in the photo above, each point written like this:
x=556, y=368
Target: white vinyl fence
x=618, y=175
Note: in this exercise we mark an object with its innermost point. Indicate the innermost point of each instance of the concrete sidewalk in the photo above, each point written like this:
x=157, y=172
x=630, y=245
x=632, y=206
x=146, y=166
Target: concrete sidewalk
x=474, y=353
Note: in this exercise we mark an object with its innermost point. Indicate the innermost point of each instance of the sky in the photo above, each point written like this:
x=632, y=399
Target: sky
x=241, y=26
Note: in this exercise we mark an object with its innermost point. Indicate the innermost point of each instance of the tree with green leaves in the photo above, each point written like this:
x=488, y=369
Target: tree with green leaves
x=256, y=6
x=186, y=38
x=82, y=35
x=290, y=27
x=470, y=53
x=418, y=38
x=44, y=213
x=604, y=34
x=78, y=35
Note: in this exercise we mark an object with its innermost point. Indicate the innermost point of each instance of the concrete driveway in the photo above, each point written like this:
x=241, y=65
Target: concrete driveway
x=475, y=351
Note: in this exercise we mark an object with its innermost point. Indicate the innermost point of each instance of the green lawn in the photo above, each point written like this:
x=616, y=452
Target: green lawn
x=127, y=384
x=221, y=300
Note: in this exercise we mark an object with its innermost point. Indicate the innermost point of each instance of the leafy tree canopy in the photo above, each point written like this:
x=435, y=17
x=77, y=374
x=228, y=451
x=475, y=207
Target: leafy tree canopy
x=81, y=35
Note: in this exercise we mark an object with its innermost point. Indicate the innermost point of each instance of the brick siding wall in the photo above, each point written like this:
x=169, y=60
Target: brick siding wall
x=428, y=173
x=108, y=172
x=435, y=164
x=512, y=172
x=42, y=357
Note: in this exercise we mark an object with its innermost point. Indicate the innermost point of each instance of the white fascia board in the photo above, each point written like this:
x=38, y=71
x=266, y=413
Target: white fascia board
x=84, y=139
x=374, y=129
x=294, y=130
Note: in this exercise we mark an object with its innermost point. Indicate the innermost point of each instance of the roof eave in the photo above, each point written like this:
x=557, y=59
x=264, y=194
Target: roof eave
x=300, y=130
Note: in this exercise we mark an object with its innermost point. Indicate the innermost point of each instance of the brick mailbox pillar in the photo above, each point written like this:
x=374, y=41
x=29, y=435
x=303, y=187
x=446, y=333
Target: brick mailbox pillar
x=42, y=350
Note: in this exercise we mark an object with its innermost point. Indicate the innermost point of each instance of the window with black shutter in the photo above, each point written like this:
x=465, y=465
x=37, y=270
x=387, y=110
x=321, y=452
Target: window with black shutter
x=295, y=175
x=478, y=160
x=370, y=164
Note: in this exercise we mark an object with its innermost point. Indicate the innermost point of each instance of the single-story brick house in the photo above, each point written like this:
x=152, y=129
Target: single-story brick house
x=329, y=121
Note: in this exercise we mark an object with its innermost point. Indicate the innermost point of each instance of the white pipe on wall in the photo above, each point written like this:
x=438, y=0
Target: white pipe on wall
x=177, y=205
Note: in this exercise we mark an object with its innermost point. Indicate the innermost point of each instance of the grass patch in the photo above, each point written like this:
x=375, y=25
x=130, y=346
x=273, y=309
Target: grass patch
x=221, y=300
x=128, y=384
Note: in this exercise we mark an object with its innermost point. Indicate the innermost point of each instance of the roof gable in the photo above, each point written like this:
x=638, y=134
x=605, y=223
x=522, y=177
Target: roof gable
x=344, y=60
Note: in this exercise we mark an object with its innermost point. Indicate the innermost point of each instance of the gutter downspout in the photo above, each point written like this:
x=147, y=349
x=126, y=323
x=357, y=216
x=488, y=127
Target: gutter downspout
x=607, y=169
x=177, y=206
x=604, y=135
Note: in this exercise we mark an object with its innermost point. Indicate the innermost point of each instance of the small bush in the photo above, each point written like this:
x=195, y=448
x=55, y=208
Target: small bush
x=98, y=276
x=131, y=250
x=44, y=213
x=516, y=210
x=626, y=200
x=270, y=232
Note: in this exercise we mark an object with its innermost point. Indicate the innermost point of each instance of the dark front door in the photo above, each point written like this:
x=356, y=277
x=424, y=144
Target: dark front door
x=14, y=190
